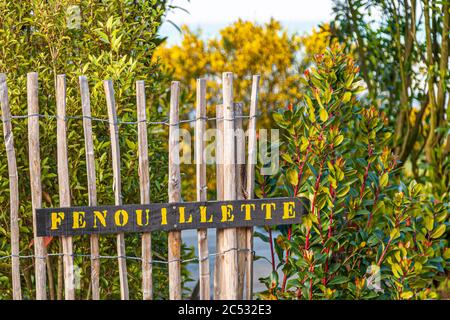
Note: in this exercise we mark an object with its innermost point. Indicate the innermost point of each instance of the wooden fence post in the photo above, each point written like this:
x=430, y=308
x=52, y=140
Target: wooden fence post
x=202, y=234
x=63, y=182
x=13, y=188
x=35, y=181
x=144, y=183
x=92, y=187
x=219, y=191
x=115, y=150
x=240, y=195
x=229, y=268
x=174, y=254
x=252, y=158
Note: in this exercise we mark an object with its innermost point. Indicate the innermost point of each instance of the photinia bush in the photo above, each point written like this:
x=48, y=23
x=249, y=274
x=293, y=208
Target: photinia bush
x=367, y=234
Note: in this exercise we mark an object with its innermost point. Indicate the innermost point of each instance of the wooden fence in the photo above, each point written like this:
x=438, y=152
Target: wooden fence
x=234, y=248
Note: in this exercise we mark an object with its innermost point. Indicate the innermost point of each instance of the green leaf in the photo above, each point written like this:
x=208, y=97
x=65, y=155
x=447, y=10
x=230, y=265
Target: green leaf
x=304, y=145
x=277, y=117
x=287, y=158
x=307, y=221
x=338, y=280
x=323, y=114
x=273, y=279
x=317, y=96
x=438, y=232
x=330, y=167
x=417, y=267
x=338, y=140
x=262, y=236
x=312, y=116
x=407, y=295
x=446, y=254
x=429, y=222
x=292, y=176
x=103, y=36
x=343, y=191
x=311, y=167
x=349, y=81
x=396, y=270
x=313, y=218
x=384, y=180
x=347, y=96
x=130, y=144
x=309, y=102
x=441, y=216
x=395, y=233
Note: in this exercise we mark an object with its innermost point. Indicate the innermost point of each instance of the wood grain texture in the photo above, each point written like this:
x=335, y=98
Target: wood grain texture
x=241, y=232
x=40, y=251
x=219, y=195
x=229, y=270
x=117, y=188
x=144, y=185
x=202, y=234
x=174, y=254
x=63, y=182
x=252, y=158
x=91, y=181
x=13, y=188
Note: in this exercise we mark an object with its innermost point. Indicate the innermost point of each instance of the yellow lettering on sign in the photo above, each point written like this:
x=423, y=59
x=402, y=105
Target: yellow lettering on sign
x=163, y=216
x=57, y=218
x=227, y=215
x=117, y=218
x=78, y=220
x=139, y=217
x=182, y=216
x=288, y=210
x=247, y=208
x=203, y=215
x=268, y=207
x=101, y=217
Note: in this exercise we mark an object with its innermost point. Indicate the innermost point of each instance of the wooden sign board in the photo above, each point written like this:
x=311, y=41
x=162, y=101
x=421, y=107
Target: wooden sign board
x=72, y=221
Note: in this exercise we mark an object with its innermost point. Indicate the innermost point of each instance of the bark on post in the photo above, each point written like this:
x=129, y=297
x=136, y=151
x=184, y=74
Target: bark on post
x=229, y=270
x=174, y=192
x=115, y=150
x=91, y=181
x=13, y=188
x=40, y=251
x=219, y=195
x=63, y=182
x=252, y=158
x=144, y=183
x=240, y=195
x=202, y=234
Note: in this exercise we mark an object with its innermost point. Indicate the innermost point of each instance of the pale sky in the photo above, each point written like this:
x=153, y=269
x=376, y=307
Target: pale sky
x=212, y=15
x=216, y=11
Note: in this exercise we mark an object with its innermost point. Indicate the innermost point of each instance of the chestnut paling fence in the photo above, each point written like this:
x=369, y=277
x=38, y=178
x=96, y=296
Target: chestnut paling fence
x=234, y=180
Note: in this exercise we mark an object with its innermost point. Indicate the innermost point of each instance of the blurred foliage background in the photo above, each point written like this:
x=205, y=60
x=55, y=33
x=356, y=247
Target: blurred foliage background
x=402, y=50
x=112, y=39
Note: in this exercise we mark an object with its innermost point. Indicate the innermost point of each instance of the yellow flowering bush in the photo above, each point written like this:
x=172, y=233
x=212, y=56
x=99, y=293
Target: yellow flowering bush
x=244, y=48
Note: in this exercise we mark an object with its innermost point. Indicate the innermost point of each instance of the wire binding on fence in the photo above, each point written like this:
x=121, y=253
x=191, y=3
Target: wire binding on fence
x=120, y=122
x=84, y=255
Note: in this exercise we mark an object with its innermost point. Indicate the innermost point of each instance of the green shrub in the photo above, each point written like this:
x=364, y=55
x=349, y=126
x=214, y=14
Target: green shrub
x=110, y=39
x=362, y=218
